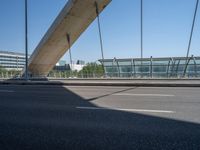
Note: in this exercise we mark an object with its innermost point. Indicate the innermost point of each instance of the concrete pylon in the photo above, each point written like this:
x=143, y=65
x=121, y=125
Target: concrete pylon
x=74, y=19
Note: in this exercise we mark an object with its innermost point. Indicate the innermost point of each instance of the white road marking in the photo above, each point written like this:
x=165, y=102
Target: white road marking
x=6, y=91
x=130, y=94
x=169, y=88
x=131, y=110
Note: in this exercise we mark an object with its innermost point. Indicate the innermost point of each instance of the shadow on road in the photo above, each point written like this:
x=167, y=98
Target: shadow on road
x=46, y=117
x=106, y=95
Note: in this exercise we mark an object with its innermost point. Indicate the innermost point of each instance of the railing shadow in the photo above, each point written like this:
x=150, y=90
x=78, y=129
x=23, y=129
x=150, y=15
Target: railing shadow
x=46, y=117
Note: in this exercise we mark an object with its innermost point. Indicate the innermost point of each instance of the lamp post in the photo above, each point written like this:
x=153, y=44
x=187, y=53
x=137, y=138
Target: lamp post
x=141, y=32
x=26, y=39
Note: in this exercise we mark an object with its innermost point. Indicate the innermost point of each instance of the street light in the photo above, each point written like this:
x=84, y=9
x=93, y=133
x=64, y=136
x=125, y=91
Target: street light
x=26, y=39
x=141, y=32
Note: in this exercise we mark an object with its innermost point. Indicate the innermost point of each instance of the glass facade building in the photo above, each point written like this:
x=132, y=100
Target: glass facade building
x=152, y=67
x=12, y=60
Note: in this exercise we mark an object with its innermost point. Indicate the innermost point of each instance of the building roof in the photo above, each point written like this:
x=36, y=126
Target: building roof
x=11, y=53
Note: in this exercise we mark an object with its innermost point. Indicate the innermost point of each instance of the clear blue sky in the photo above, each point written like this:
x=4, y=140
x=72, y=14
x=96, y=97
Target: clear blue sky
x=167, y=26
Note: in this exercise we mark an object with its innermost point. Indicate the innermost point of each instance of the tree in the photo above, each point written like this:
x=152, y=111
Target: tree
x=92, y=70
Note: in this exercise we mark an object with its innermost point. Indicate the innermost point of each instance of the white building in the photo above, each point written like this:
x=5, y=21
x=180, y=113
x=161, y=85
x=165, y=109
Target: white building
x=76, y=67
x=12, y=60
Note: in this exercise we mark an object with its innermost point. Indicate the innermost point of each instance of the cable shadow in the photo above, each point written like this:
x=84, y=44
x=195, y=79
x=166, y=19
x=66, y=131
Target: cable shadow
x=46, y=117
x=106, y=95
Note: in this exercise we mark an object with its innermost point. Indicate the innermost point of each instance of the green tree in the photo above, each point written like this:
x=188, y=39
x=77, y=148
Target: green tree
x=92, y=70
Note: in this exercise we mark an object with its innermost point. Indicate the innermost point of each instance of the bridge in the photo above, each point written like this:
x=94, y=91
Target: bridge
x=104, y=113
x=72, y=21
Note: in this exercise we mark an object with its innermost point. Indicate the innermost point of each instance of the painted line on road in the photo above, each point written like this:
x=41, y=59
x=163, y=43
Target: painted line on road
x=6, y=91
x=131, y=110
x=157, y=95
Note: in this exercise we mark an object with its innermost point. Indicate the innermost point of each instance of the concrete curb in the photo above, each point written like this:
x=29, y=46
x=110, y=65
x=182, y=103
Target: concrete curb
x=159, y=84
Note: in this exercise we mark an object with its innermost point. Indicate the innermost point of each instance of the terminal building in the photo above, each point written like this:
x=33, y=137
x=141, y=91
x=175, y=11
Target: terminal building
x=152, y=67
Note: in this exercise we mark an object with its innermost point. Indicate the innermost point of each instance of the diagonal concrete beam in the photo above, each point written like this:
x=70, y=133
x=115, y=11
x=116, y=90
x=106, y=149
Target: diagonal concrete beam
x=74, y=19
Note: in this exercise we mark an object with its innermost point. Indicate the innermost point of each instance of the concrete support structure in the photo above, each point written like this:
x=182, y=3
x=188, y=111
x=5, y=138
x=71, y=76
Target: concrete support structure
x=74, y=19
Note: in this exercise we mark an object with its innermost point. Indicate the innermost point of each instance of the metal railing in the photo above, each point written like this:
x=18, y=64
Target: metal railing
x=153, y=67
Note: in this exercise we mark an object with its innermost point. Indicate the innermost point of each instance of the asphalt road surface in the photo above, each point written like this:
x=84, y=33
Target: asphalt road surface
x=60, y=117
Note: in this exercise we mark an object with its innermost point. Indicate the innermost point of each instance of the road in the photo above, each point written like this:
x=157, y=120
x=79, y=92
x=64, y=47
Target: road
x=85, y=117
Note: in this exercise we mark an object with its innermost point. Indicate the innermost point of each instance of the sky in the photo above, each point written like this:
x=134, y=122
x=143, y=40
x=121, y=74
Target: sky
x=167, y=25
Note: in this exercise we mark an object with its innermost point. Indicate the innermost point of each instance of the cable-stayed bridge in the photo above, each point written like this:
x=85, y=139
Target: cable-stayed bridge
x=72, y=21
